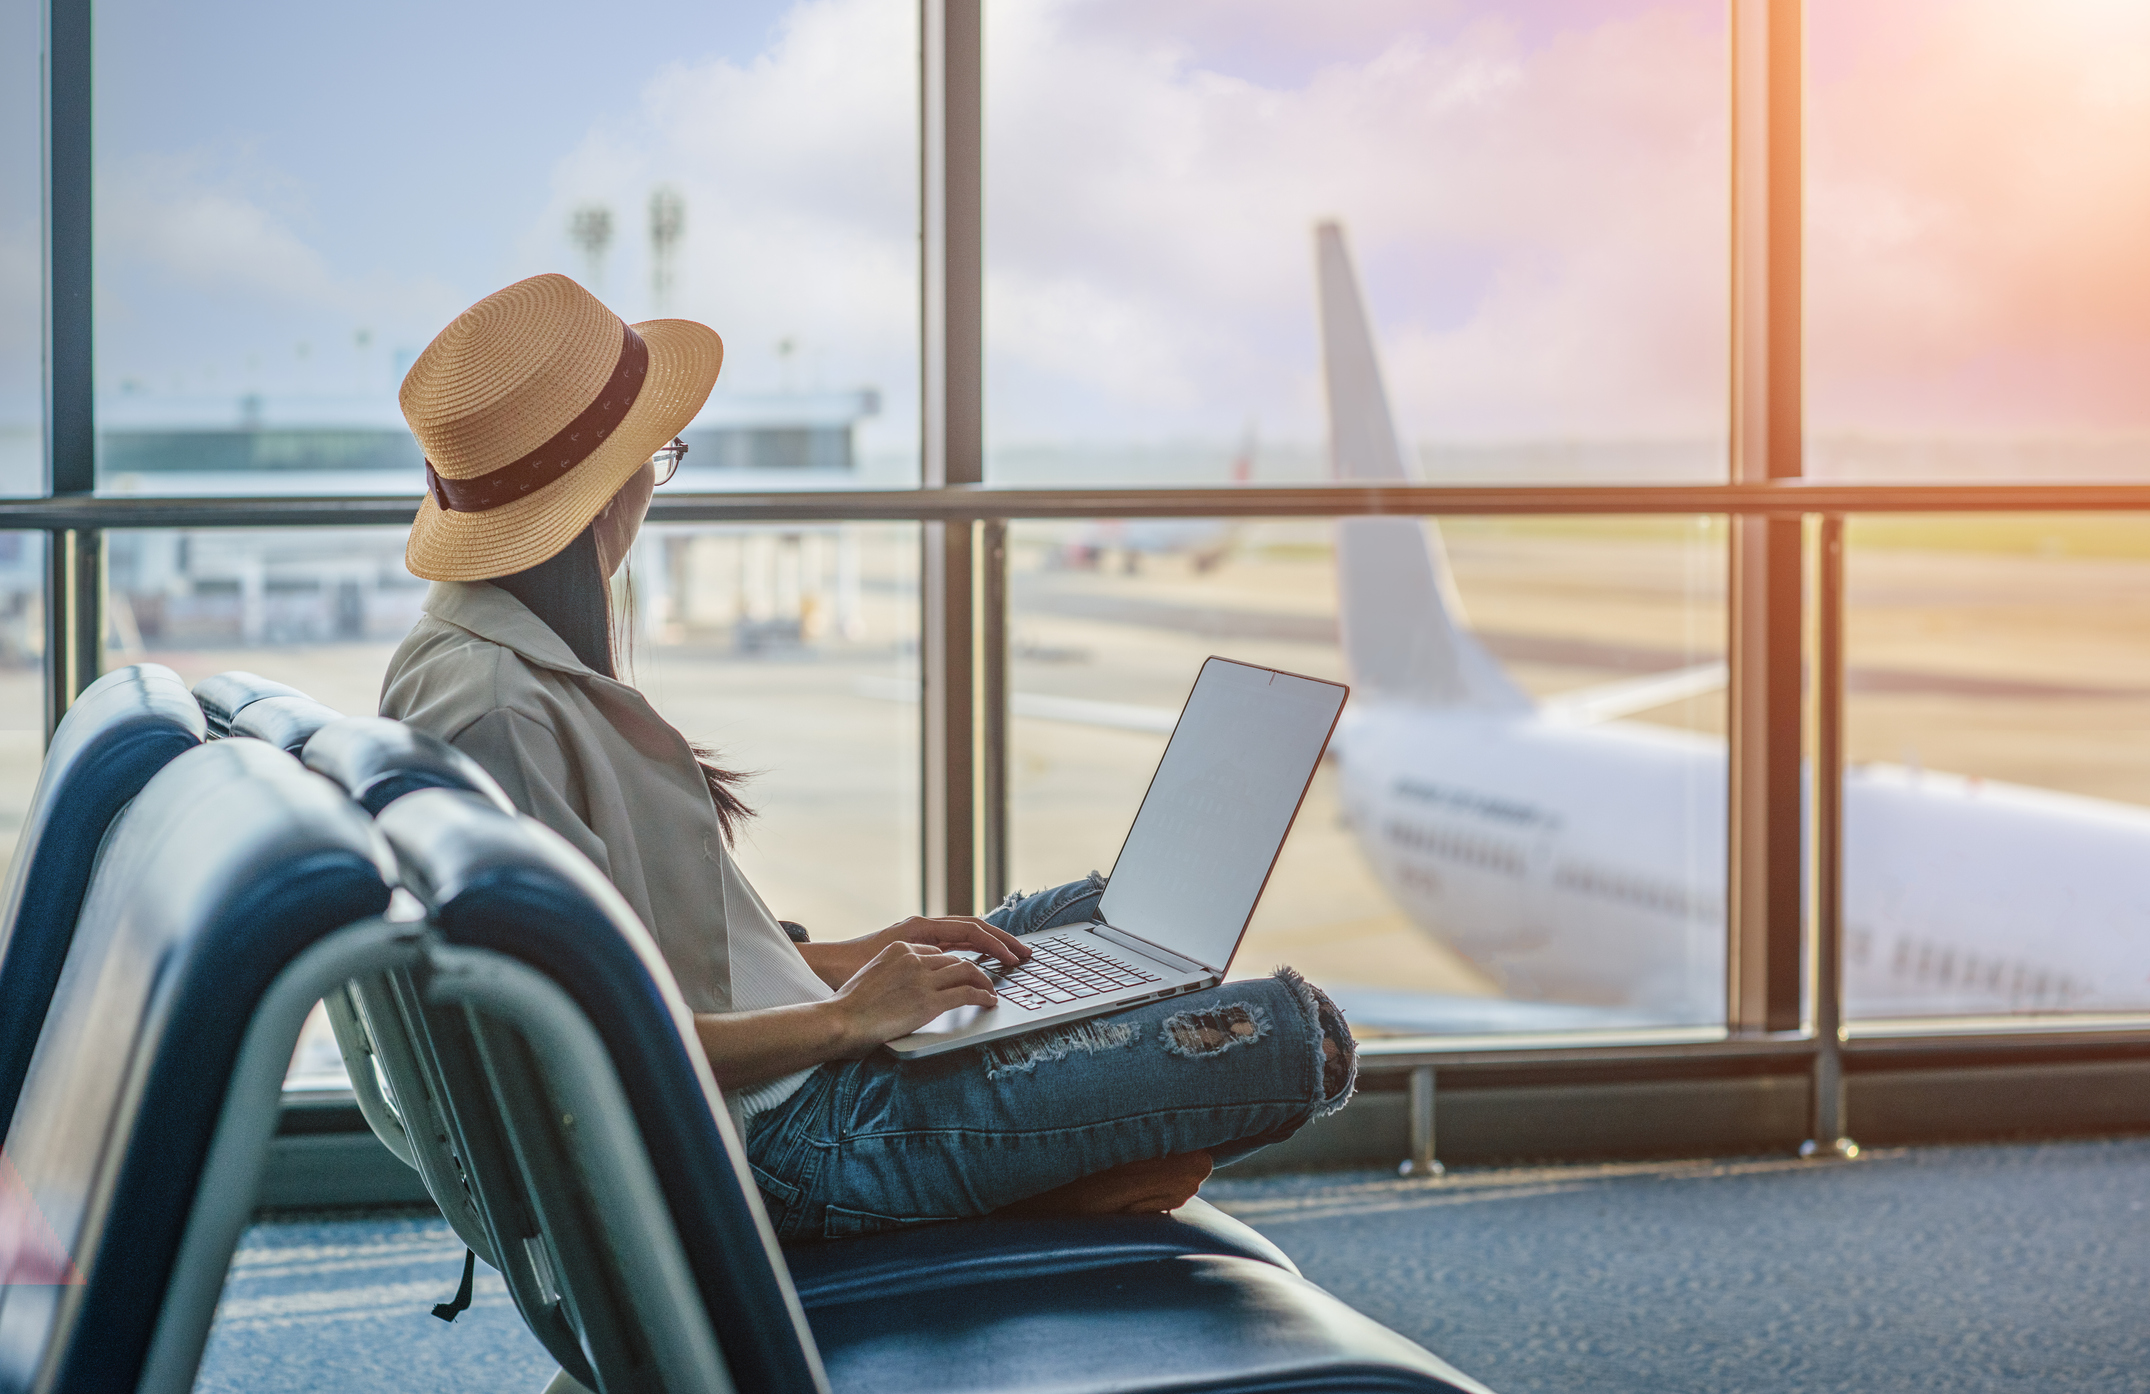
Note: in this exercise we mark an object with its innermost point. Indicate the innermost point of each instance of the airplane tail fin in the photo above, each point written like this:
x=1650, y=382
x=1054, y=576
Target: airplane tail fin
x=1404, y=631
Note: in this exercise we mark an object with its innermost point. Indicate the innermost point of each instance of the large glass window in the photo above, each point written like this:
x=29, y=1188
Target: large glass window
x=1978, y=303
x=792, y=652
x=318, y=608
x=22, y=679
x=1997, y=805
x=293, y=201
x=1536, y=197
x=22, y=450
x=1534, y=841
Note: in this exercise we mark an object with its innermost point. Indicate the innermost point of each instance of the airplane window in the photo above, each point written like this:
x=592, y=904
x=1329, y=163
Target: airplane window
x=292, y=201
x=1997, y=724
x=1538, y=196
x=1524, y=830
x=1978, y=306
x=21, y=336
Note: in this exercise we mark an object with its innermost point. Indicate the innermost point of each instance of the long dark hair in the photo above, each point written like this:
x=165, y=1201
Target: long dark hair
x=569, y=592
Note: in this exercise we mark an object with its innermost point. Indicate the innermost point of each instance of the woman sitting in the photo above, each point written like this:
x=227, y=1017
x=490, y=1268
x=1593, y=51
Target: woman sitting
x=545, y=422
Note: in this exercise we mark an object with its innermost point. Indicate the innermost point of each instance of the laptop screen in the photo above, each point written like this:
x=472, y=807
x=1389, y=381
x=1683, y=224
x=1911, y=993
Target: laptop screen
x=1218, y=807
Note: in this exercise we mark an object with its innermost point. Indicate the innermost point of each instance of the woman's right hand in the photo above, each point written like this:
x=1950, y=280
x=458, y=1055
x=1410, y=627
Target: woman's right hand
x=902, y=988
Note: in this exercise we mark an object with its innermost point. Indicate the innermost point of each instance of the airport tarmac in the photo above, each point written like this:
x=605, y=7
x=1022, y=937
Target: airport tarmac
x=2025, y=667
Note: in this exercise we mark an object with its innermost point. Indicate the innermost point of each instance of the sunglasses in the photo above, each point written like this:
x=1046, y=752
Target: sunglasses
x=667, y=459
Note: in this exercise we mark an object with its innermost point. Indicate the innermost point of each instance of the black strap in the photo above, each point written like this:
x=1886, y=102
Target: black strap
x=449, y=1311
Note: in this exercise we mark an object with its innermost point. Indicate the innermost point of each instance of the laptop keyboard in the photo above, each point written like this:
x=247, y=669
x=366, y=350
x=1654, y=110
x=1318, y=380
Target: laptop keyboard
x=1063, y=970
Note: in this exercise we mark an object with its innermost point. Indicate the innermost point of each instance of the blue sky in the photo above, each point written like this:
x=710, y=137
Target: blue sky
x=292, y=199
x=409, y=133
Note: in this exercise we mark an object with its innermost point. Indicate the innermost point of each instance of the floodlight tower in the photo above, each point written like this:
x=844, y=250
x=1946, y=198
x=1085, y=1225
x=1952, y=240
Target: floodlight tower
x=667, y=220
x=590, y=228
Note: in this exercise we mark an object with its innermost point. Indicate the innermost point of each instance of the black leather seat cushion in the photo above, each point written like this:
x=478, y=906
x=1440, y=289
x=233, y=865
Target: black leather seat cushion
x=1195, y=1323
x=931, y=1257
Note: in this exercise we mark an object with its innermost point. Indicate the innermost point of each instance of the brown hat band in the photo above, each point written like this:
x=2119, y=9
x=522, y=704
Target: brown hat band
x=569, y=446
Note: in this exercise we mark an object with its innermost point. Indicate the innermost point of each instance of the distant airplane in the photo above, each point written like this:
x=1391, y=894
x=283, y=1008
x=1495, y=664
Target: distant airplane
x=1579, y=859
x=1206, y=542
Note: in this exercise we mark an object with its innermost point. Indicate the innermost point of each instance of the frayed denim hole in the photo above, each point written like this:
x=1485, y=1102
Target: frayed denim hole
x=1328, y=1020
x=1096, y=881
x=1022, y=1054
x=1215, y=1030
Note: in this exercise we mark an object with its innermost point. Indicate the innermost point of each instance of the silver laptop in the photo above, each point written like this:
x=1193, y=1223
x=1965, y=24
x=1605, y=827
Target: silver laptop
x=1190, y=873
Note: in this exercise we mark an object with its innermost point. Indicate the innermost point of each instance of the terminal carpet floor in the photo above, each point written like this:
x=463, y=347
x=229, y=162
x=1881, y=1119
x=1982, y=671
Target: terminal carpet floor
x=1936, y=1269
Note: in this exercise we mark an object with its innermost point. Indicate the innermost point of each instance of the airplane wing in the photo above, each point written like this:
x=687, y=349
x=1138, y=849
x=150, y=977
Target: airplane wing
x=1587, y=706
x=1119, y=716
x=1452, y=1014
x=1078, y=711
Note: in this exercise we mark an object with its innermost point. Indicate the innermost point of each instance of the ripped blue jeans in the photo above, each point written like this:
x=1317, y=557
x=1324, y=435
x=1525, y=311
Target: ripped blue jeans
x=879, y=1143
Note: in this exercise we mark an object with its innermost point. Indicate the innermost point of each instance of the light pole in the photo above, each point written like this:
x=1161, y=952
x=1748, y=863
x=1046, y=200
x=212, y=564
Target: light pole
x=590, y=228
x=667, y=220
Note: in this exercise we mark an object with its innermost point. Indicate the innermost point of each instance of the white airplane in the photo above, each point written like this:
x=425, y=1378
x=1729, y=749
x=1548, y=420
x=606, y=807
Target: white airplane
x=1207, y=542
x=1579, y=859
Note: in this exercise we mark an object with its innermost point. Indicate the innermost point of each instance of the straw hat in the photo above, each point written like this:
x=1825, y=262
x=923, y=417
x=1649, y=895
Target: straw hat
x=534, y=407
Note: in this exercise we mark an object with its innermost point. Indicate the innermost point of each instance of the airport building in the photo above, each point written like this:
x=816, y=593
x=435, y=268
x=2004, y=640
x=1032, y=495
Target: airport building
x=1704, y=437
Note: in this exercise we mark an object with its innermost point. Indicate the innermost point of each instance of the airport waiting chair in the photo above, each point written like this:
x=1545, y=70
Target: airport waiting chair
x=378, y=761
x=124, y=728
x=244, y=704
x=604, y=1166
x=234, y=891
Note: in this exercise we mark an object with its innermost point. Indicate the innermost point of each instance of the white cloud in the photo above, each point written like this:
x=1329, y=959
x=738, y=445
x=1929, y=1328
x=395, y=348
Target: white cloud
x=1977, y=217
x=1544, y=226
x=225, y=234
x=208, y=283
x=21, y=325
x=1540, y=215
x=799, y=175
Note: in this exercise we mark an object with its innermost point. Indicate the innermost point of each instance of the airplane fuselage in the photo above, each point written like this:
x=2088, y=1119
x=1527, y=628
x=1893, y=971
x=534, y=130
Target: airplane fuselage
x=1586, y=864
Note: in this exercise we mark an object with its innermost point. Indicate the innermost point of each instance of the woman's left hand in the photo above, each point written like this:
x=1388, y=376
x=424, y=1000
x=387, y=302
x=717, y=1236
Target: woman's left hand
x=835, y=963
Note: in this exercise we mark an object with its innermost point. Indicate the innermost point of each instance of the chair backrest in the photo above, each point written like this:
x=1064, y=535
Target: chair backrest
x=124, y=728
x=379, y=1022
x=224, y=696
x=246, y=704
x=378, y=761
x=284, y=722
x=221, y=891
x=504, y=889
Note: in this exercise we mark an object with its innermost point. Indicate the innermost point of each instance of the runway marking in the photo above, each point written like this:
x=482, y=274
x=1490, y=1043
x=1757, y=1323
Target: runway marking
x=1350, y=1209
x=421, y=1243
x=477, y=1304
x=347, y=1304
x=442, y=1253
x=1519, y=1183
